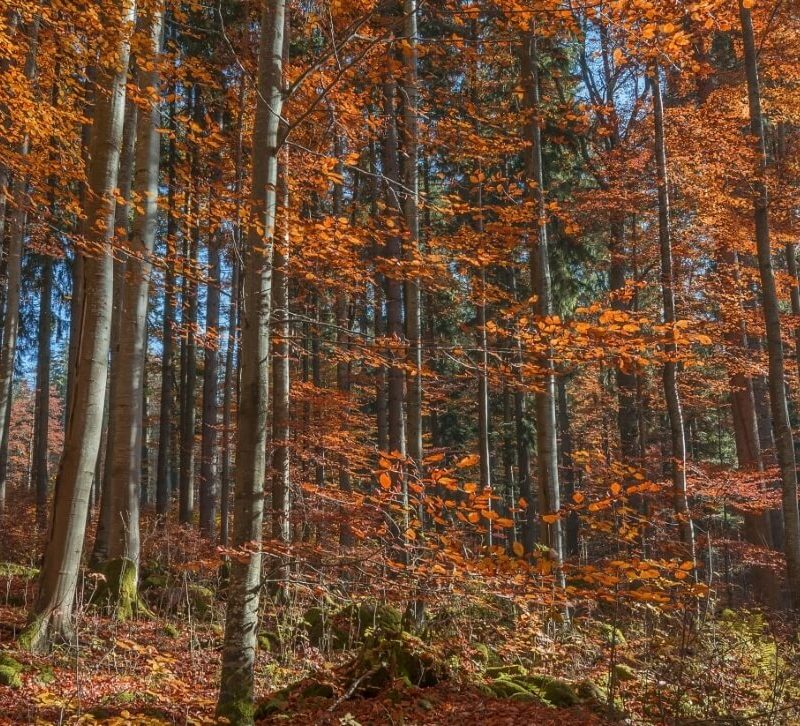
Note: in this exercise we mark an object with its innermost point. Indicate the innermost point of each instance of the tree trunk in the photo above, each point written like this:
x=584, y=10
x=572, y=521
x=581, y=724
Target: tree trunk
x=545, y=400
x=670, y=372
x=781, y=426
x=103, y=480
x=122, y=566
x=167, y=405
x=40, y=473
x=8, y=347
x=241, y=623
x=52, y=613
x=208, y=444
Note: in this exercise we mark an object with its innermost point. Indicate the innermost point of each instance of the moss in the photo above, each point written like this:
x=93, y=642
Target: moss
x=269, y=641
x=12, y=663
x=125, y=697
x=339, y=629
x=238, y=710
x=624, y=672
x=120, y=591
x=557, y=692
x=201, y=599
x=10, y=677
x=612, y=636
x=170, y=630
x=317, y=690
x=590, y=693
x=510, y=670
x=153, y=581
x=33, y=637
x=507, y=688
x=486, y=655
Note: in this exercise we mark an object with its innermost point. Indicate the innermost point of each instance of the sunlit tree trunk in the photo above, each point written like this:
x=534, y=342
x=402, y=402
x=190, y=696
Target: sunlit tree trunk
x=241, y=623
x=125, y=449
x=51, y=617
x=208, y=443
x=545, y=399
x=103, y=473
x=670, y=371
x=781, y=426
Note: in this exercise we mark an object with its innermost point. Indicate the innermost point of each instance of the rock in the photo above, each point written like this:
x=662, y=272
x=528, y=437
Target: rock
x=510, y=670
x=555, y=691
x=170, y=630
x=201, y=599
x=10, y=677
x=589, y=692
x=612, y=636
x=624, y=672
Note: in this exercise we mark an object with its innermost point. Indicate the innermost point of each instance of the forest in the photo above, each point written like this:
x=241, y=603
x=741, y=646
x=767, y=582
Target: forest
x=399, y=362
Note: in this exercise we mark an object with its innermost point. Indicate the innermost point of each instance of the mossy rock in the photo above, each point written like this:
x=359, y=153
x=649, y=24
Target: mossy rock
x=269, y=641
x=590, y=693
x=10, y=677
x=154, y=580
x=306, y=689
x=340, y=629
x=201, y=599
x=505, y=687
x=11, y=663
x=612, y=636
x=13, y=569
x=125, y=698
x=509, y=670
x=555, y=691
x=624, y=672
x=170, y=630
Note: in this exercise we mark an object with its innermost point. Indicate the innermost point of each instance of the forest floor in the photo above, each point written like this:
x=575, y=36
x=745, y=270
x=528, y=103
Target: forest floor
x=480, y=660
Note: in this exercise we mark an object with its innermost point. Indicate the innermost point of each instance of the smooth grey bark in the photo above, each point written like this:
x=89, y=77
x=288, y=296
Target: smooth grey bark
x=51, y=617
x=781, y=425
x=167, y=404
x=544, y=399
x=127, y=410
x=103, y=477
x=410, y=200
x=670, y=371
x=208, y=440
x=40, y=471
x=281, y=382
x=8, y=346
x=241, y=622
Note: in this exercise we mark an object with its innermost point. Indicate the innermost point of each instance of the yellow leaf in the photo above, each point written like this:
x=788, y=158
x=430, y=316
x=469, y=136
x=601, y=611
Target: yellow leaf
x=519, y=550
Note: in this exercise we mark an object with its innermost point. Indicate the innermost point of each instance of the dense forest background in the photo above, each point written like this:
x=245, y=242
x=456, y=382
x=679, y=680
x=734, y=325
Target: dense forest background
x=399, y=361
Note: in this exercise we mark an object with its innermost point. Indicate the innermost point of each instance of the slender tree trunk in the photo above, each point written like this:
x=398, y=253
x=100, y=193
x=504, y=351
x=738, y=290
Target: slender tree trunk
x=241, y=623
x=545, y=399
x=670, y=372
x=208, y=469
x=103, y=477
x=8, y=347
x=122, y=566
x=40, y=473
x=781, y=426
x=52, y=613
x=167, y=404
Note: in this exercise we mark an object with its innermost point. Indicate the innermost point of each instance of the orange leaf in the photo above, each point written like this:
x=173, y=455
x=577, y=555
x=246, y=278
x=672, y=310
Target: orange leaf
x=616, y=488
x=519, y=550
x=385, y=480
x=470, y=487
x=470, y=460
x=577, y=497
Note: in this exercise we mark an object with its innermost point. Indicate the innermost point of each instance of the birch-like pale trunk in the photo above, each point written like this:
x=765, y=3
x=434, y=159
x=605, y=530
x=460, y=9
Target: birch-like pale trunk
x=670, y=371
x=51, y=617
x=126, y=411
x=544, y=399
x=241, y=622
